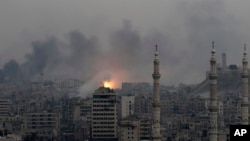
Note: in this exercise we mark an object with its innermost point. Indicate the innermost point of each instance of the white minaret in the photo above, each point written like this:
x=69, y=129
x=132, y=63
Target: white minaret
x=213, y=108
x=244, y=78
x=156, y=135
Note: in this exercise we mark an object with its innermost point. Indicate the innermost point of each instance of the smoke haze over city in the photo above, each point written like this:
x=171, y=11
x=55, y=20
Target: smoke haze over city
x=110, y=39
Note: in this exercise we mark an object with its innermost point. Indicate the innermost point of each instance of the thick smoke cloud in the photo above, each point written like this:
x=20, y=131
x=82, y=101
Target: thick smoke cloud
x=75, y=57
x=183, y=36
x=43, y=53
x=204, y=22
x=54, y=59
x=11, y=72
x=127, y=46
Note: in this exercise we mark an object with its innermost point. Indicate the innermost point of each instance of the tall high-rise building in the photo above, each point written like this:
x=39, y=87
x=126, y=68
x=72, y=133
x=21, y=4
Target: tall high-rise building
x=213, y=107
x=156, y=135
x=104, y=115
x=244, y=77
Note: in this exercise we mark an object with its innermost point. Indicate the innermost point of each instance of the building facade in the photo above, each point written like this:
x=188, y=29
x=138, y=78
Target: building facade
x=127, y=105
x=104, y=115
x=45, y=125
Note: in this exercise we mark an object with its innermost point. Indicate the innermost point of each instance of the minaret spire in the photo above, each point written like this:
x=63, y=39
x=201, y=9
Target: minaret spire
x=156, y=135
x=213, y=107
x=245, y=52
x=156, y=52
x=244, y=79
x=213, y=50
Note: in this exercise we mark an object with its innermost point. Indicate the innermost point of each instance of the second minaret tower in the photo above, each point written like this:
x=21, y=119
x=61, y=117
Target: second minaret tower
x=213, y=107
x=156, y=135
x=244, y=78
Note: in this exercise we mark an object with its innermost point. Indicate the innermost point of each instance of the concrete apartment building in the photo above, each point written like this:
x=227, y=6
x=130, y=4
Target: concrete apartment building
x=129, y=130
x=127, y=105
x=104, y=115
x=4, y=109
x=143, y=105
x=133, y=128
x=45, y=125
x=145, y=128
x=79, y=109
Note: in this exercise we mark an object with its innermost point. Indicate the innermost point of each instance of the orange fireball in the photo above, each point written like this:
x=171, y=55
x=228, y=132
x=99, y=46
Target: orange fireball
x=107, y=84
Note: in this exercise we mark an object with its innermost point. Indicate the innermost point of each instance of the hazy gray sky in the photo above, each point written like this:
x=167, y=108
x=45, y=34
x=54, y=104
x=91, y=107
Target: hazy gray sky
x=183, y=29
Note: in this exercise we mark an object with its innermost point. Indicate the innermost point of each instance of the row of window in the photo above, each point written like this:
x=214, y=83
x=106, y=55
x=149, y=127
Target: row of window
x=103, y=127
x=103, y=135
x=49, y=115
x=103, y=122
x=104, y=118
x=41, y=122
x=104, y=105
x=41, y=119
x=104, y=114
x=105, y=109
x=38, y=127
x=103, y=131
x=103, y=101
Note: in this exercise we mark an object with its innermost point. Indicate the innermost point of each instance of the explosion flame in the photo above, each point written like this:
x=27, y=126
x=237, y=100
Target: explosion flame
x=107, y=84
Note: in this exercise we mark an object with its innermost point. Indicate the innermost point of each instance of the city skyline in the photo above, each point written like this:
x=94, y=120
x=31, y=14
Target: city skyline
x=31, y=110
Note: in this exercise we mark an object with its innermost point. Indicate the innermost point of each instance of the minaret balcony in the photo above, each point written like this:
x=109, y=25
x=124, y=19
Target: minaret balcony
x=244, y=62
x=156, y=104
x=244, y=75
x=244, y=104
x=213, y=61
x=156, y=75
x=213, y=108
x=156, y=62
x=212, y=76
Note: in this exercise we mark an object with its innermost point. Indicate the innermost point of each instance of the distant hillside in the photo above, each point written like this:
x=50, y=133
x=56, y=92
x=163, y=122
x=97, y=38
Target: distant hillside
x=226, y=81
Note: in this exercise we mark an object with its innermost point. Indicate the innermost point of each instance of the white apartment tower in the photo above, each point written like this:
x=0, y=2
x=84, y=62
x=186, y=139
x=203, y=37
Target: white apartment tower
x=213, y=107
x=244, y=78
x=104, y=115
x=156, y=135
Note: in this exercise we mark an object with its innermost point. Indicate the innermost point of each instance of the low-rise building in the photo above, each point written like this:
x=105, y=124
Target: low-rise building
x=129, y=130
x=44, y=125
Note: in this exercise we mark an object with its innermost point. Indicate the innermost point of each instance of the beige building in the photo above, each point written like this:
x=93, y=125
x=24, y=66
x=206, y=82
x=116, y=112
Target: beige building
x=135, y=128
x=104, y=115
x=145, y=128
x=129, y=130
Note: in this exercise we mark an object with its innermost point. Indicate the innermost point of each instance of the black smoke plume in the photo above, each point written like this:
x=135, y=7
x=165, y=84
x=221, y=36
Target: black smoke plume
x=184, y=49
x=53, y=58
